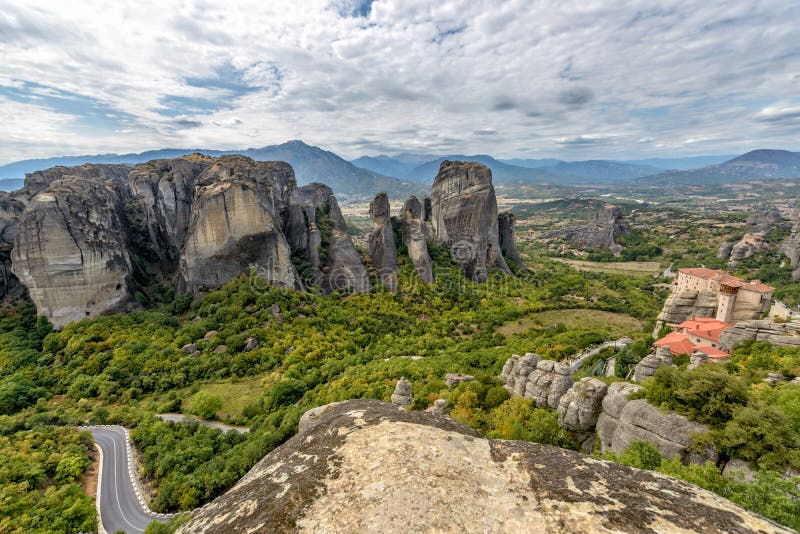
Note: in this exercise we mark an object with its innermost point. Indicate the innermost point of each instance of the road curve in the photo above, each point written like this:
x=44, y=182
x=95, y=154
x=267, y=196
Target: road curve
x=120, y=508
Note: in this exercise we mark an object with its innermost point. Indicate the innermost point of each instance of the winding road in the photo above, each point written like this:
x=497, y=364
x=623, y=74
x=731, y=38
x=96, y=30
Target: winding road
x=118, y=503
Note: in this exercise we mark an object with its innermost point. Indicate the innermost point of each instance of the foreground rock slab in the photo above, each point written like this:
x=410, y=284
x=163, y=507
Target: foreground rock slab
x=369, y=466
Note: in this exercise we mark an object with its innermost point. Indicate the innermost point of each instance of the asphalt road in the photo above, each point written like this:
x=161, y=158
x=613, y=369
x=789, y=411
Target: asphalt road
x=119, y=507
x=180, y=418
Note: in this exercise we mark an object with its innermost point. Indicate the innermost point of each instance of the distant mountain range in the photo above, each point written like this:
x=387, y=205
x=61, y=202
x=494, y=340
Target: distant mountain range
x=311, y=164
x=406, y=174
x=755, y=165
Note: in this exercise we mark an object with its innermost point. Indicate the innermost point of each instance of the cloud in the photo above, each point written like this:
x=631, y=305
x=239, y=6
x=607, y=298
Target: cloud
x=411, y=75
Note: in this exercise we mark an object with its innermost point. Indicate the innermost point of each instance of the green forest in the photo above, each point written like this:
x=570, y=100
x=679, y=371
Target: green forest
x=314, y=349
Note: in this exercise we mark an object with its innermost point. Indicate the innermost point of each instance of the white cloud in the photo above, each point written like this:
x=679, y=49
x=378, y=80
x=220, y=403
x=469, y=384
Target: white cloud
x=511, y=78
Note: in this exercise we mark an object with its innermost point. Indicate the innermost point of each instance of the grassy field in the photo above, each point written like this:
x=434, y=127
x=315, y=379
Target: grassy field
x=630, y=268
x=575, y=318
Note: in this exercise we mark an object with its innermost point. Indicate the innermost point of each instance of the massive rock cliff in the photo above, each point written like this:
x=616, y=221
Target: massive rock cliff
x=464, y=217
x=380, y=242
x=791, y=245
x=601, y=233
x=235, y=224
x=368, y=466
x=70, y=250
x=508, y=239
x=204, y=220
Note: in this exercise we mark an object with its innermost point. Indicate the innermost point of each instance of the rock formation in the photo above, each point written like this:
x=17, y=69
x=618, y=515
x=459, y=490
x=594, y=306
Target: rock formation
x=415, y=238
x=580, y=407
x=70, y=250
x=778, y=334
x=624, y=421
x=650, y=364
x=235, y=223
x=464, y=217
x=363, y=465
x=543, y=381
x=601, y=233
x=680, y=307
x=403, y=393
x=508, y=240
x=206, y=220
x=380, y=242
x=791, y=245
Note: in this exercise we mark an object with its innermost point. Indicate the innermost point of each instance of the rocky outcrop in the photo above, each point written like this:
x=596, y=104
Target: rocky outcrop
x=650, y=364
x=464, y=217
x=235, y=224
x=415, y=238
x=508, y=241
x=624, y=421
x=164, y=191
x=403, y=393
x=791, y=245
x=335, y=264
x=680, y=307
x=601, y=233
x=381, y=243
x=543, y=381
x=70, y=249
x=203, y=220
x=579, y=409
x=367, y=466
x=778, y=334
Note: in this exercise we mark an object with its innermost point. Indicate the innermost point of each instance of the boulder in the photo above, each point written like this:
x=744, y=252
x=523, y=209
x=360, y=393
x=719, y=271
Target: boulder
x=623, y=421
x=415, y=238
x=650, y=364
x=381, y=243
x=439, y=407
x=454, y=379
x=464, y=217
x=580, y=406
x=403, y=393
x=368, y=466
x=548, y=383
x=70, y=249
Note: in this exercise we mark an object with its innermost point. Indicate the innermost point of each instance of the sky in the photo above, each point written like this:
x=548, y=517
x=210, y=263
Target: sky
x=518, y=78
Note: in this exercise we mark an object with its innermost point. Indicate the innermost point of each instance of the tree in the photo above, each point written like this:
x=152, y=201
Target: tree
x=204, y=404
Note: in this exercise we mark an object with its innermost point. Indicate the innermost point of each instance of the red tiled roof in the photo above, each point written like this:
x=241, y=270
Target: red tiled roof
x=678, y=343
x=705, y=327
x=725, y=278
x=712, y=352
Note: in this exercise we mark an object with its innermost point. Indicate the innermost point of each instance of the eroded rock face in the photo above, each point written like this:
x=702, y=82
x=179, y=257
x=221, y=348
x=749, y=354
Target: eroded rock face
x=543, y=381
x=70, y=250
x=791, y=245
x=650, y=364
x=601, y=233
x=164, y=191
x=380, y=242
x=580, y=406
x=415, y=237
x=624, y=421
x=370, y=466
x=235, y=224
x=508, y=242
x=778, y=334
x=464, y=217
